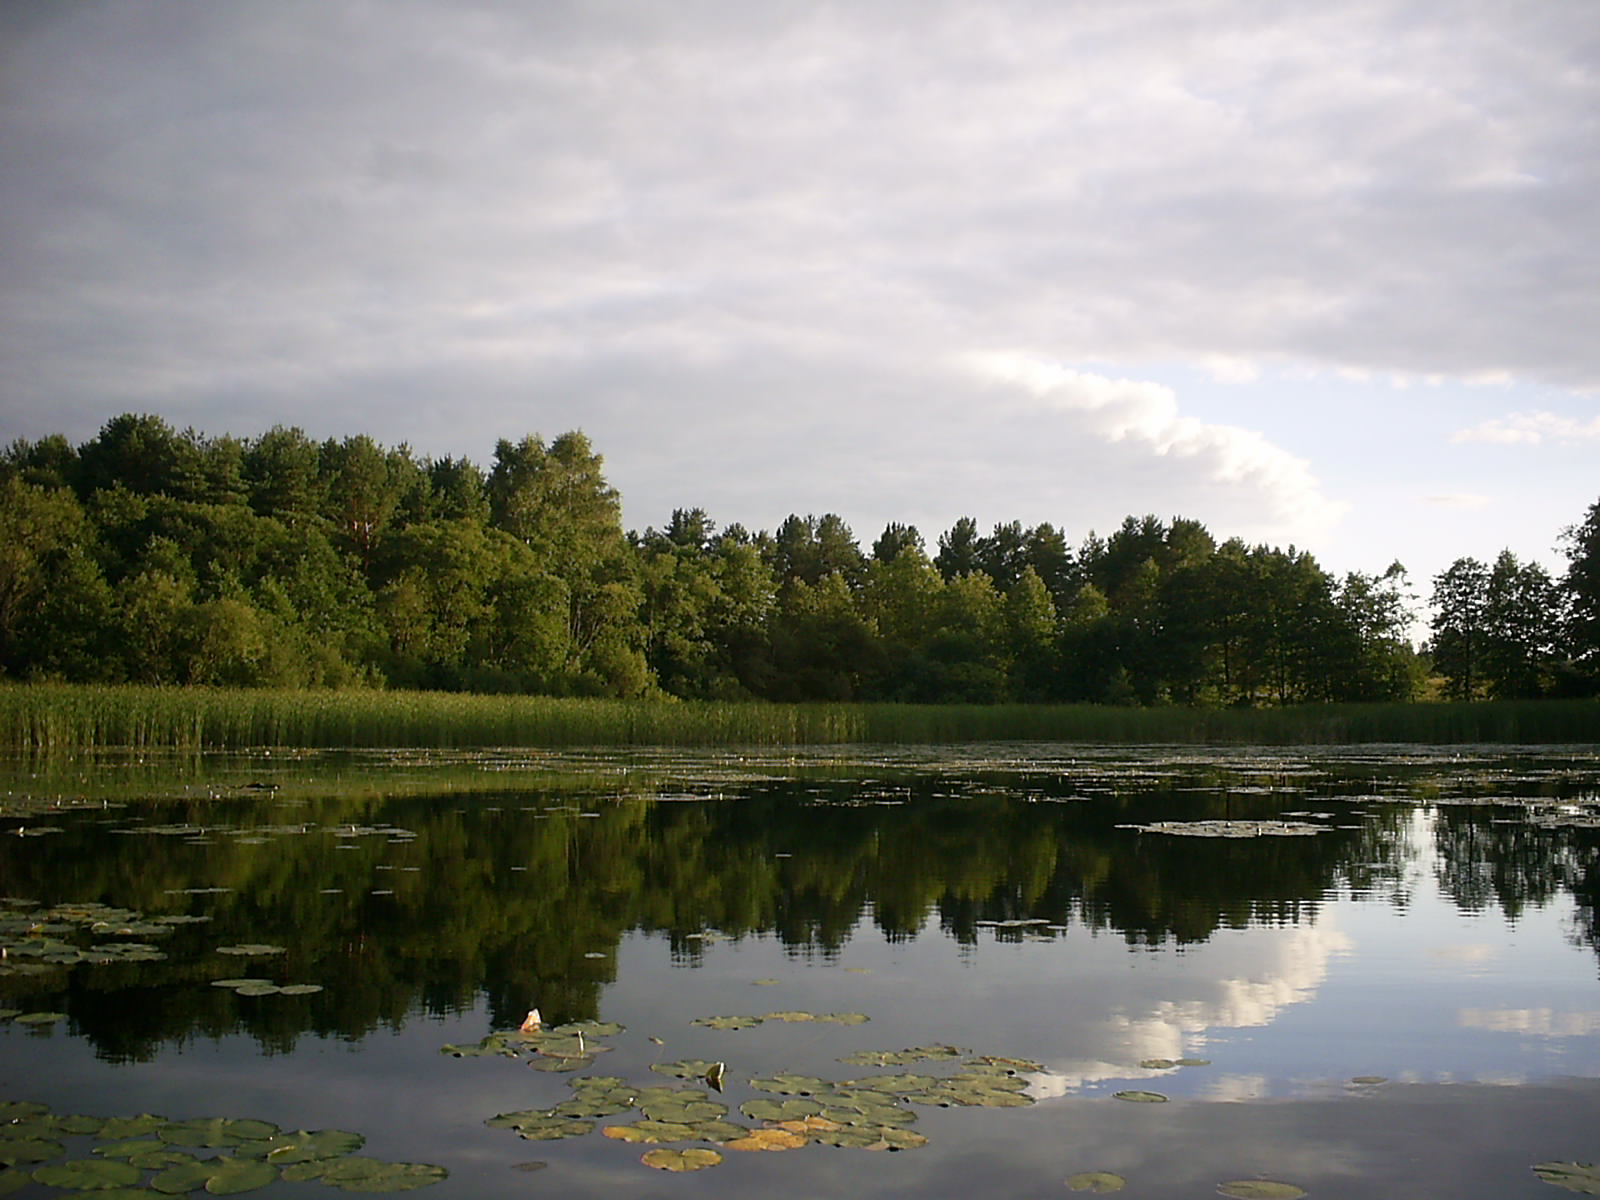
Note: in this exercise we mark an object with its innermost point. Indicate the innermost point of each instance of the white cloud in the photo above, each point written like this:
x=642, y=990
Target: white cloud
x=1530, y=429
x=1465, y=500
x=1147, y=414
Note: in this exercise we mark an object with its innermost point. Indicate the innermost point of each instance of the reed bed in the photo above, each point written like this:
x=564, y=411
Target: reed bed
x=51, y=718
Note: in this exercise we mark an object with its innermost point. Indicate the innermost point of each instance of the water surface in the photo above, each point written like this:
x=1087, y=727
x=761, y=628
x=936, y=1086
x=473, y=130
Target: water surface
x=1398, y=998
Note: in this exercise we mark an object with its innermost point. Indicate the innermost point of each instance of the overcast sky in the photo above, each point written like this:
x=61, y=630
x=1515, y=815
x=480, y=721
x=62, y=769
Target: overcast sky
x=1324, y=274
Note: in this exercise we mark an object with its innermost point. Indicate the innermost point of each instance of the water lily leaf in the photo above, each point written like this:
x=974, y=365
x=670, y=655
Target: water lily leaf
x=14, y=1150
x=40, y=1018
x=1139, y=1097
x=1194, y=1062
x=12, y=1110
x=790, y=1016
x=892, y=1138
x=13, y=1180
x=594, y=1102
x=780, y=1110
x=651, y=1131
x=257, y=988
x=695, y=1158
x=789, y=1084
x=1369, y=1080
x=720, y=1131
x=1259, y=1189
x=546, y=1127
x=128, y=1149
x=590, y=1028
x=763, y=982
x=1157, y=1064
x=185, y=1177
x=771, y=1138
x=1099, y=1182
x=1573, y=1176
x=726, y=1022
x=251, y=949
x=236, y=983
x=88, y=1174
x=214, y=1131
x=897, y=1085
x=306, y=1145
x=235, y=1175
x=78, y=1123
x=850, y=1018
x=689, y=1068
x=300, y=989
x=160, y=1160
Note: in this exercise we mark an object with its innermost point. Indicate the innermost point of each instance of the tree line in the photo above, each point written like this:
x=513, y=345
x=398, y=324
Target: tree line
x=154, y=556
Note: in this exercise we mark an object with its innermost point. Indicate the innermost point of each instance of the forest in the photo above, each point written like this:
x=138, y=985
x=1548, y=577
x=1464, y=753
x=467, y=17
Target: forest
x=155, y=556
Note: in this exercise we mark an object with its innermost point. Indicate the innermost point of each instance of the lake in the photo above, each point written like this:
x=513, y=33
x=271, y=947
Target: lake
x=993, y=969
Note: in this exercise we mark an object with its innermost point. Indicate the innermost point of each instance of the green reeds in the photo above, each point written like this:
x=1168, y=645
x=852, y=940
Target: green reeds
x=52, y=718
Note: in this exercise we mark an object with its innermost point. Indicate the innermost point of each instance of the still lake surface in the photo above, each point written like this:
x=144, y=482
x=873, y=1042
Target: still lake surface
x=1388, y=987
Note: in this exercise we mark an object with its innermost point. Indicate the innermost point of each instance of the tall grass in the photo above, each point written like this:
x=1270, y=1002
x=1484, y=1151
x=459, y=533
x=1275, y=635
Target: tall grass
x=52, y=718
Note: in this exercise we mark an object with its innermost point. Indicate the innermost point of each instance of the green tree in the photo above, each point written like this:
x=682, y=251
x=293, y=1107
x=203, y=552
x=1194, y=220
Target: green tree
x=1523, y=622
x=1459, y=626
x=958, y=549
x=1582, y=586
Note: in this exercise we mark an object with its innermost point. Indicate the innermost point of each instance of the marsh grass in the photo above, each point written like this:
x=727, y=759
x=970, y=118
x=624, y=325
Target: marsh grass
x=52, y=718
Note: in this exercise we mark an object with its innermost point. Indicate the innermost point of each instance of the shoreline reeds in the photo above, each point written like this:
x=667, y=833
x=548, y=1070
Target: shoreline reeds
x=50, y=718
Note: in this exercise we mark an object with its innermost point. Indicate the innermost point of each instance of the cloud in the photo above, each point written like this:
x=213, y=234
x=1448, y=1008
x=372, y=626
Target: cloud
x=1536, y=1022
x=1530, y=429
x=1148, y=416
x=1464, y=500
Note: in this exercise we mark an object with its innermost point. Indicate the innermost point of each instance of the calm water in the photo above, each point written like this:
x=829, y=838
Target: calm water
x=1432, y=932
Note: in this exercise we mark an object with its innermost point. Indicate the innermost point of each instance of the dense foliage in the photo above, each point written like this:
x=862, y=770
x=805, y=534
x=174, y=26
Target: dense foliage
x=148, y=555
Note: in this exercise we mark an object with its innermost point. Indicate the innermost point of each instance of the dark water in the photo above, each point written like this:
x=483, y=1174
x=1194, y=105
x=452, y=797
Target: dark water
x=1435, y=937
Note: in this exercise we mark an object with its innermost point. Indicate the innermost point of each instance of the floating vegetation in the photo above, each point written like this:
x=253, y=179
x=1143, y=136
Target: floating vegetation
x=1259, y=1189
x=1166, y=1064
x=1232, y=829
x=251, y=950
x=31, y=941
x=265, y=987
x=1099, y=1182
x=1137, y=1097
x=694, y=1159
x=1573, y=1176
x=254, y=1154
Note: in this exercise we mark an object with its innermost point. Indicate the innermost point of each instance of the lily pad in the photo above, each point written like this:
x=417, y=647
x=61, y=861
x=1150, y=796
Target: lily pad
x=300, y=989
x=720, y=1131
x=780, y=1110
x=127, y=1149
x=39, y=1018
x=1573, y=1176
x=14, y=1150
x=696, y=1158
x=1099, y=1182
x=770, y=1138
x=1139, y=1097
x=651, y=1132
x=727, y=1022
x=88, y=1174
x=688, y=1068
x=543, y=1127
x=789, y=1084
x=304, y=1145
x=1259, y=1189
x=251, y=950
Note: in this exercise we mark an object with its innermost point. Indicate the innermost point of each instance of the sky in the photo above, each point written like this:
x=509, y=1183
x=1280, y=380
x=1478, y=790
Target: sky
x=1316, y=275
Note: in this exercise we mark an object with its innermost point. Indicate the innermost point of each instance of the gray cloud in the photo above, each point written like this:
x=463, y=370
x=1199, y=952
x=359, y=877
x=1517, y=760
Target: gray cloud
x=714, y=233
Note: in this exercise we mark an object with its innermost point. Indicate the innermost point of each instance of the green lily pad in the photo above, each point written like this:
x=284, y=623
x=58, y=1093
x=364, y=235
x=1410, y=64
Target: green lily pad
x=88, y=1174
x=789, y=1084
x=763, y=982
x=185, y=1177
x=39, y=1018
x=720, y=1131
x=780, y=1110
x=1158, y=1064
x=790, y=1015
x=251, y=950
x=596, y=1102
x=257, y=988
x=1139, y=1097
x=686, y=1111
x=78, y=1123
x=160, y=1160
x=542, y=1127
x=304, y=1145
x=1098, y=1182
x=1259, y=1189
x=132, y=1127
x=235, y=1175
x=849, y=1018
x=300, y=989
x=1573, y=1176
x=12, y=1110
x=214, y=1131
x=727, y=1022
x=1369, y=1080
x=15, y=1150
x=13, y=1180
x=127, y=1149
x=592, y=1029
x=1194, y=1062
x=395, y=1177
x=688, y=1068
